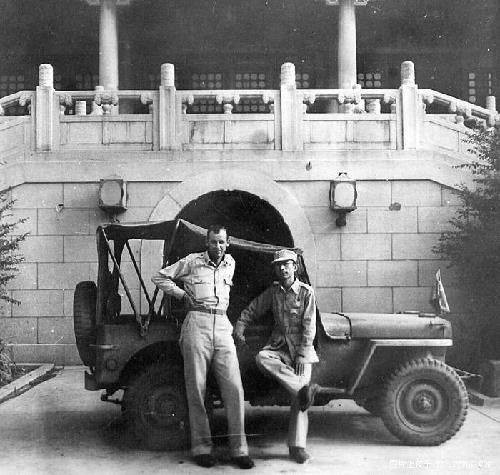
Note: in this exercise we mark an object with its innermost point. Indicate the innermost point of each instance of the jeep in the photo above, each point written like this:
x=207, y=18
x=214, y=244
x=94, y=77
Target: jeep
x=393, y=365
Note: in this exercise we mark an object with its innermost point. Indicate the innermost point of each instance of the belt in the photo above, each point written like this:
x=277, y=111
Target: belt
x=210, y=311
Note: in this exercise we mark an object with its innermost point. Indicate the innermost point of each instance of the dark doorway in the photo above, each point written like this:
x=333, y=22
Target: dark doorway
x=249, y=217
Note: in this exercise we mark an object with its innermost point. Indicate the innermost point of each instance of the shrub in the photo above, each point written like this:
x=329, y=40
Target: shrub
x=6, y=365
x=9, y=260
x=473, y=247
x=9, y=244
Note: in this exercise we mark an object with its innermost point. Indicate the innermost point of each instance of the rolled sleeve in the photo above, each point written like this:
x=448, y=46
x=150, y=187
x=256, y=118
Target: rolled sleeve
x=164, y=279
x=257, y=307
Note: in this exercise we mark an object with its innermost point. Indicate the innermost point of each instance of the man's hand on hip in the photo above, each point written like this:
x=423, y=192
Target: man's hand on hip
x=189, y=302
x=300, y=365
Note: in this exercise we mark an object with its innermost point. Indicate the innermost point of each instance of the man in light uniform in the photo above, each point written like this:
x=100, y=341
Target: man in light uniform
x=206, y=342
x=289, y=353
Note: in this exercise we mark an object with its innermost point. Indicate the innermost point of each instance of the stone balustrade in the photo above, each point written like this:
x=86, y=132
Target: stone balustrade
x=287, y=119
x=462, y=110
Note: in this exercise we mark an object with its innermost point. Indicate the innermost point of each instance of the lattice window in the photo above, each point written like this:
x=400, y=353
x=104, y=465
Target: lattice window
x=154, y=81
x=10, y=84
x=472, y=88
x=251, y=106
x=490, y=84
x=250, y=80
x=206, y=106
x=86, y=81
x=57, y=81
x=303, y=80
x=480, y=84
x=206, y=81
x=370, y=80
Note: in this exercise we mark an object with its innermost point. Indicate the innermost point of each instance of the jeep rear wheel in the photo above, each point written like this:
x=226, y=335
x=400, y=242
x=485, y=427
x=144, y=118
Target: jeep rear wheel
x=155, y=406
x=424, y=402
x=84, y=311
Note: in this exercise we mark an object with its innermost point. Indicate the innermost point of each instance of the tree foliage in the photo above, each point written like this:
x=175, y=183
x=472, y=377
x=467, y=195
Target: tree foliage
x=473, y=246
x=9, y=244
x=9, y=260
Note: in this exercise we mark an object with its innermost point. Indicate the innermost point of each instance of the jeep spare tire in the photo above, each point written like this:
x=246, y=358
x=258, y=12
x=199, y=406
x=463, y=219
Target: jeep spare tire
x=424, y=402
x=84, y=312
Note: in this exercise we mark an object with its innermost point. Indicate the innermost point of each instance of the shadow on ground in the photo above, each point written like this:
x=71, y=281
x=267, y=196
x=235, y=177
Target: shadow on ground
x=266, y=429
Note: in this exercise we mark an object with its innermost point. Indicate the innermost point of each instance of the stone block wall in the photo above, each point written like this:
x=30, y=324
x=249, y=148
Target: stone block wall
x=59, y=252
x=381, y=261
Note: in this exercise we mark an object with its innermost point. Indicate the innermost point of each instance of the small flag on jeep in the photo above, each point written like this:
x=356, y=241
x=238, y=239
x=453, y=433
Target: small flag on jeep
x=438, y=296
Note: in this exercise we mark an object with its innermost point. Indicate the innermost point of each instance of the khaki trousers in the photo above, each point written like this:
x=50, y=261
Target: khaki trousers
x=206, y=342
x=279, y=365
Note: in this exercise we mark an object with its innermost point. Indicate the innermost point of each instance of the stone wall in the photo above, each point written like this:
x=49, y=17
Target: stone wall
x=381, y=261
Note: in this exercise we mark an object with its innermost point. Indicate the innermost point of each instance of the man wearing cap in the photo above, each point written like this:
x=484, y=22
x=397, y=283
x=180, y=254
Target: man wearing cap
x=289, y=353
x=206, y=342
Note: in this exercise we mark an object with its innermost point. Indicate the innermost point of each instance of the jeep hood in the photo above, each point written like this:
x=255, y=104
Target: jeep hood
x=384, y=326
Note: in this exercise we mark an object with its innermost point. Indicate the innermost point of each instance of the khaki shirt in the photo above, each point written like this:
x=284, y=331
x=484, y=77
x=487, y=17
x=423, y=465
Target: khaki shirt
x=294, y=312
x=207, y=284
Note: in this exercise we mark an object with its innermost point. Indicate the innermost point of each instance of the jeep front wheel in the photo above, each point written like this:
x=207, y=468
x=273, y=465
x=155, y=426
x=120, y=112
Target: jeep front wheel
x=155, y=406
x=424, y=402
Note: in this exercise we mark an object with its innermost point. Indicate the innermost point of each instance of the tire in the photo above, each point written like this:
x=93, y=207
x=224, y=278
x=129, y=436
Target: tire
x=155, y=407
x=424, y=402
x=84, y=313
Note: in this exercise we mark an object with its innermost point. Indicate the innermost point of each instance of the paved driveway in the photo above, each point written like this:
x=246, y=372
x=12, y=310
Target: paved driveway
x=59, y=428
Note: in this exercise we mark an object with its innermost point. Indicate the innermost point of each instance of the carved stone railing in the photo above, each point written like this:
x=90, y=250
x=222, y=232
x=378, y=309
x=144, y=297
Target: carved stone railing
x=15, y=131
x=288, y=119
x=462, y=110
x=229, y=130
x=21, y=98
x=354, y=119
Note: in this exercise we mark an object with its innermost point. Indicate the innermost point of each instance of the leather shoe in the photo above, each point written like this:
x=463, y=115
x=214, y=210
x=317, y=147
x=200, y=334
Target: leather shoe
x=299, y=454
x=306, y=396
x=244, y=461
x=205, y=460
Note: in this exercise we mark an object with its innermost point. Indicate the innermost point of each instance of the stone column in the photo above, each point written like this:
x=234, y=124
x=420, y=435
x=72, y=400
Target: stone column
x=108, y=45
x=409, y=109
x=347, y=45
x=291, y=110
x=168, y=105
x=44, y=109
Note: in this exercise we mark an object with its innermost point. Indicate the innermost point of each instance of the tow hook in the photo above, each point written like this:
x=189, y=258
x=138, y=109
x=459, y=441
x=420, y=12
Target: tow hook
x=471, y=380
x=106, y=395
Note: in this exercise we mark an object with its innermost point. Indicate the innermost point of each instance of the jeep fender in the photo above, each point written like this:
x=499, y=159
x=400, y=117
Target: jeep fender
x=425, y=345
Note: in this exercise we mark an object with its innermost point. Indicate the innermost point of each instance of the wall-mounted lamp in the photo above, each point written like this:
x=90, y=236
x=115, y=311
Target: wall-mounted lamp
x=113, y=195
x=343, y=197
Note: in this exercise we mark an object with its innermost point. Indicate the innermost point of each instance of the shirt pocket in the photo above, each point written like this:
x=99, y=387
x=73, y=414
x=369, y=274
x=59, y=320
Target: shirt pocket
x=203, y=288
x=295, y=310
x=224, y=288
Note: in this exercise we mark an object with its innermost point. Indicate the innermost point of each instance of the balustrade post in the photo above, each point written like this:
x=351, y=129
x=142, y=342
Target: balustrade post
x=167, y=109
x=291, y=110
x=491, y=105
x=46, y=109
x=409, y=109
